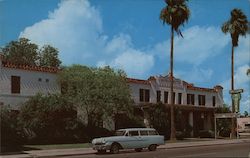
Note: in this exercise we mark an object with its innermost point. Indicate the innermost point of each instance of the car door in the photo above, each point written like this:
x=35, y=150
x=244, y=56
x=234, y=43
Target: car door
x=132, y=140
x=144, y=138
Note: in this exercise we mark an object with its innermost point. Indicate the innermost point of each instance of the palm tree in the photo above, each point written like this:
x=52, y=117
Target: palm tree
x=237, y=25
x=175, y=13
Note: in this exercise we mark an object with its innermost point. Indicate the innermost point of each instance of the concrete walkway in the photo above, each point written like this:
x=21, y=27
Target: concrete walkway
x=87, y=151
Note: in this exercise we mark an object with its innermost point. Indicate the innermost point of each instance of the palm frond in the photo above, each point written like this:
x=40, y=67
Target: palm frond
x=236, y=26
x=175, y=13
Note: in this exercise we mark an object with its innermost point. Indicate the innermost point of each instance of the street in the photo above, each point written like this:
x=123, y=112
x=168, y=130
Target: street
x=228, y=150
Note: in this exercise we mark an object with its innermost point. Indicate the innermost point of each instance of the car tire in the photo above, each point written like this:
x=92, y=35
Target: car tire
x=138, y=149
x=115, y=149
x=152, y=147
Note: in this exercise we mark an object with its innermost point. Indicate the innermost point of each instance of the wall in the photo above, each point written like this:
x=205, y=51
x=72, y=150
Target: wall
x=29, y=85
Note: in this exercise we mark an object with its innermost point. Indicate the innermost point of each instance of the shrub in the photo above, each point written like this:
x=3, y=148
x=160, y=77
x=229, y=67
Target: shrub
x=206, y=134
x=12, y=136
x=49, y=119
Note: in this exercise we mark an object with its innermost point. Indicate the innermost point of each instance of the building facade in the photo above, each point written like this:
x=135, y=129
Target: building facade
x=20, y=82
x=196, y=104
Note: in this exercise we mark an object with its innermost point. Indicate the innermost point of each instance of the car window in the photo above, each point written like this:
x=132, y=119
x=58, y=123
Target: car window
x=133, y=133
x=144, y=133
x=152, y=133
x=119, y=133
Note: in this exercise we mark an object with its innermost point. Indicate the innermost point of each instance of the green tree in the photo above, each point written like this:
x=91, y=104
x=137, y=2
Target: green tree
x=245, y=113
x=115, y=91
x=237, y=26
x=48, y=56
x=21, y=52
x=96, y=92
x=159, y=119
x=248, y=70
x=49, y=119
x=12, y=137
x=175, y=13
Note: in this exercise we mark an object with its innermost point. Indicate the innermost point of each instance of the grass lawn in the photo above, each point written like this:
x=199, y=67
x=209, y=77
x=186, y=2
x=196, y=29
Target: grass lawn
x=57, y=146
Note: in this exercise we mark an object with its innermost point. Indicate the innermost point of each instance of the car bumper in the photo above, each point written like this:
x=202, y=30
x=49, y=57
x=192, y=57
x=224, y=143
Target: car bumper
x=101, y=147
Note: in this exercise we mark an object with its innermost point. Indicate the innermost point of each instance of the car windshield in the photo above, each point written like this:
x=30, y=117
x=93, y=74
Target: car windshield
x=119, y=133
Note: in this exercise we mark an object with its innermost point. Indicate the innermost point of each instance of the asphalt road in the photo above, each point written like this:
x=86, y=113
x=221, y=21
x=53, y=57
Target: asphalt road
x=229, y=150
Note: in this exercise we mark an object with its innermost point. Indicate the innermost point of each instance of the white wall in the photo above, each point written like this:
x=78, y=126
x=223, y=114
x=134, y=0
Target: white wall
x=153, y=87
x=29, y=85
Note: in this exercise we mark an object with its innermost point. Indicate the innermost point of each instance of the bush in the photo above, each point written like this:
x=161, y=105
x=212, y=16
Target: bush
x=49, y=119
x=206, y=134
x=160, y=119
x=95, y=132
x=12, y=137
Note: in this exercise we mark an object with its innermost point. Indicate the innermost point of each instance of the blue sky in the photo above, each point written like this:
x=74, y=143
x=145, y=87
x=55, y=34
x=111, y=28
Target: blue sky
x=129, y=35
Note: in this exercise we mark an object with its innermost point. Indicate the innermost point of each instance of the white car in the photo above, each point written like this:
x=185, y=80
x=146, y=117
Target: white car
x=131, y=138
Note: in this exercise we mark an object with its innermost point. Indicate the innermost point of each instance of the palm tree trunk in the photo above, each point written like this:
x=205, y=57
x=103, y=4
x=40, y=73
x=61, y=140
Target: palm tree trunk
x=172, y=135
x=232, y=88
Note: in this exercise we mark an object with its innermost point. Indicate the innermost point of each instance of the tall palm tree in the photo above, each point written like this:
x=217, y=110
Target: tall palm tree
x=175, y=13
x=237, y=25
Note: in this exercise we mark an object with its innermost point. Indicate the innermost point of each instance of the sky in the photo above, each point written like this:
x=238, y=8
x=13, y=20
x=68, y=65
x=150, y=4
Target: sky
x=129, y=35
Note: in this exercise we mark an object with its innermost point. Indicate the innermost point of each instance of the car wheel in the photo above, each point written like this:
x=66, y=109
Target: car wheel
x=138, y=149
x=101, y=151
x=152, y=147
x=115, y=149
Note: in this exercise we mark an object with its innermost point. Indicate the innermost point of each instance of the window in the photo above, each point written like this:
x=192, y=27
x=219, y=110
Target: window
x=190, y=99
x=47, y=80
x=141, y=95
x=15, y=84
x=214, y=101
x=152, y=133
x=143, y=133
x=144, y=95
x=147, y=95
x=133, y=133
x=165, y=97
x=174, y=98
x=179, y=98
x=202, y=99
x=40, y=79
x=119, y=133
x=158, y=93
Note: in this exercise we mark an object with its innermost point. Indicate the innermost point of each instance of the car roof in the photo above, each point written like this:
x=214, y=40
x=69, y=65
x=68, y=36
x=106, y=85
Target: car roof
x=137, y=129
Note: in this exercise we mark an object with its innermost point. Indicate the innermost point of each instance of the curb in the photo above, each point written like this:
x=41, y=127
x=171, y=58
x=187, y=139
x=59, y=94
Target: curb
x=90, y=151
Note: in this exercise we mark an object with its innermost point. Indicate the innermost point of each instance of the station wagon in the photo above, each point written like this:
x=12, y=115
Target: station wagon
x=131, y=138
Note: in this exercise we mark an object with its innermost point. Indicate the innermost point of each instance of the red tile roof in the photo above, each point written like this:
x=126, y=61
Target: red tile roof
x=29, y=67
x=191, y=87
x=132, y=80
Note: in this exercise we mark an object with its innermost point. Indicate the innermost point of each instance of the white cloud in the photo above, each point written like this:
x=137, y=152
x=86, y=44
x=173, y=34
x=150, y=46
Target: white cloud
x=195, y=75
x=198, y=44
x=119, y=43
x=242, y=52
x=75, y=28
x=134, y=62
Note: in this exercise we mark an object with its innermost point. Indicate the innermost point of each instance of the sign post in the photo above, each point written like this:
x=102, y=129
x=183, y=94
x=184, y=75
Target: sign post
x=236, y=96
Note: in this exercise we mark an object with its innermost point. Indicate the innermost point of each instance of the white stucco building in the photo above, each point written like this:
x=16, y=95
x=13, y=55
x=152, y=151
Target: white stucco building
x=196, y=104
x=19, y=82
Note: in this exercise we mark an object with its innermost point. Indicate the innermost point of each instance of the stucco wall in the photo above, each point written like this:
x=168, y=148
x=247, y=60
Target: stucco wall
x=155, y=86
x=29, y=84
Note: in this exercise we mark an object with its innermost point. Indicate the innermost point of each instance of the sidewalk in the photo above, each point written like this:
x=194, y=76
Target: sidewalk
x=87, y=151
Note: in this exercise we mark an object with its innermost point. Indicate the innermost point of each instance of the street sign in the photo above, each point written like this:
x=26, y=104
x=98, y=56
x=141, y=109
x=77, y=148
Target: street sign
x=236, y=91
x=236, y=96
